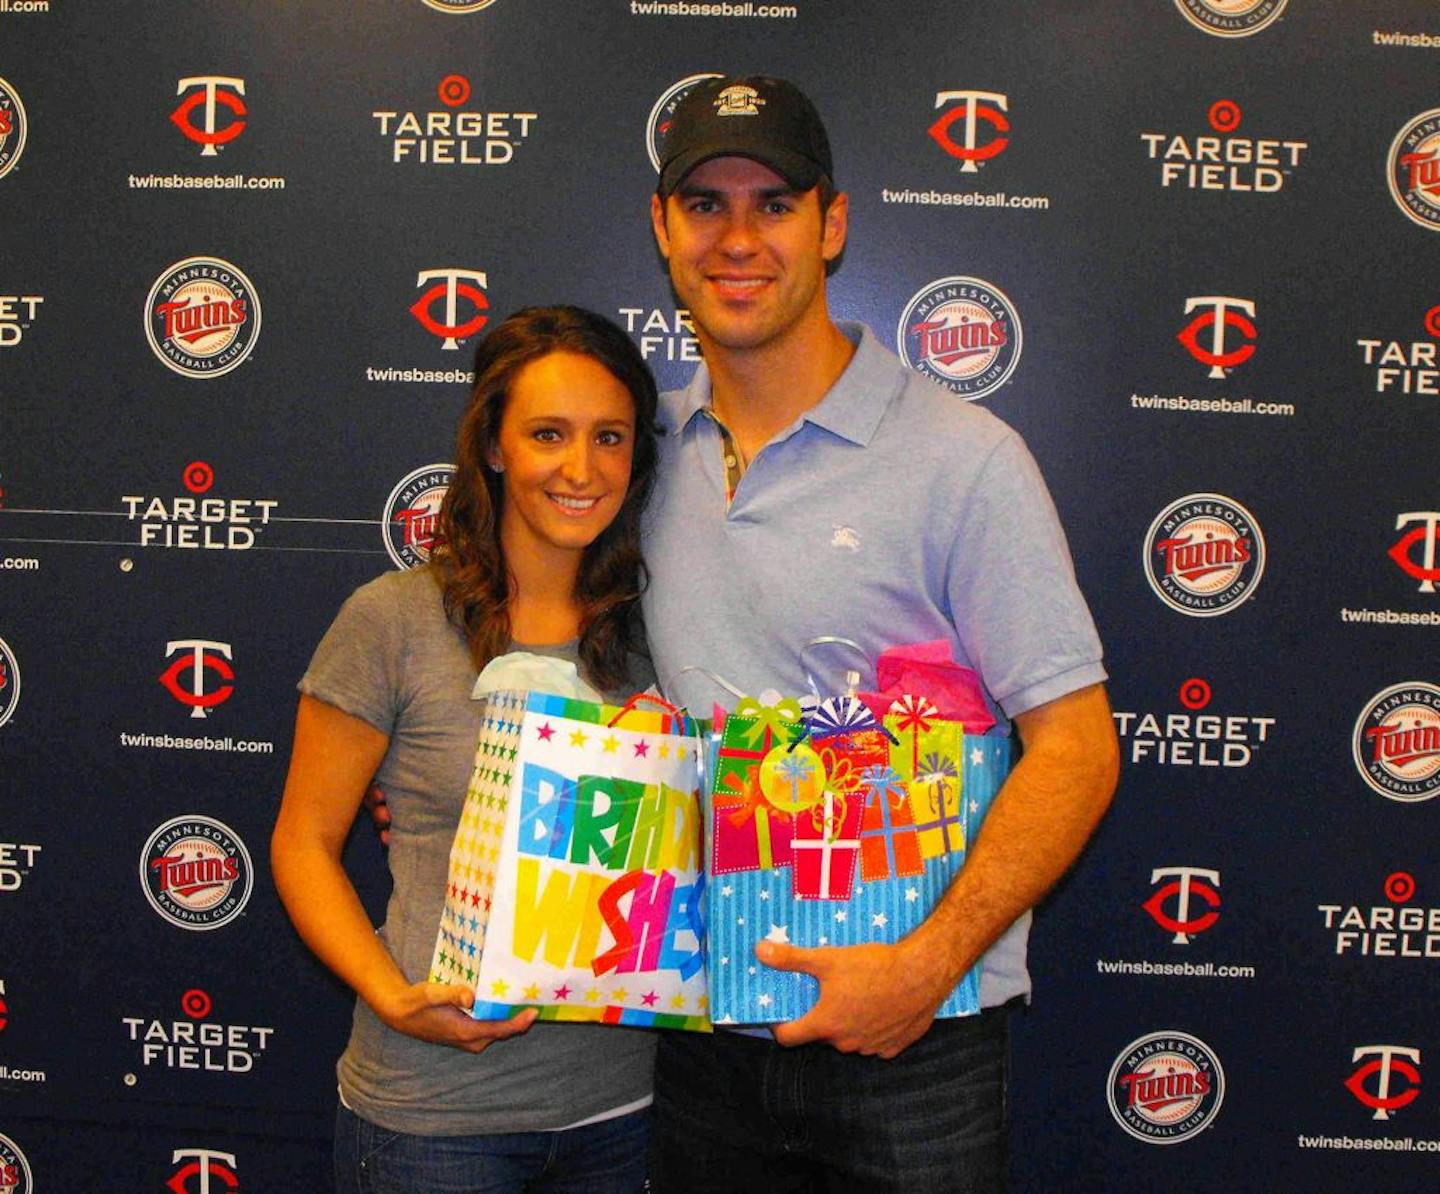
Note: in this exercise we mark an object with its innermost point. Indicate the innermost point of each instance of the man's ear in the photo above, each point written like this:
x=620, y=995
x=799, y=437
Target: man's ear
x=657, y=222
x=836, y=227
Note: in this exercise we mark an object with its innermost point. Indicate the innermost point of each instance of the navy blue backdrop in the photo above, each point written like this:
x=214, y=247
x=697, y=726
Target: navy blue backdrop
x=244, y=254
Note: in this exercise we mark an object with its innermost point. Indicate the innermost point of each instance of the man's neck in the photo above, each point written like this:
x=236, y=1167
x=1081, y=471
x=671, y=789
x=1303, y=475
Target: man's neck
x=757, y=393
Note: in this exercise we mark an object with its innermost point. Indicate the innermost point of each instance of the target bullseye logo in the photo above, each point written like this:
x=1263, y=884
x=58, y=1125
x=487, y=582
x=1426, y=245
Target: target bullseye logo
x=198, y=476
x=1195, y=693
x=1400, y=887
x=1224, y=116
x=196, y=1004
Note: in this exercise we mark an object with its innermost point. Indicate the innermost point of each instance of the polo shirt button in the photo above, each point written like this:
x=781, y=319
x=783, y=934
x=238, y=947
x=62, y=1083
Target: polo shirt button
x=729, y=462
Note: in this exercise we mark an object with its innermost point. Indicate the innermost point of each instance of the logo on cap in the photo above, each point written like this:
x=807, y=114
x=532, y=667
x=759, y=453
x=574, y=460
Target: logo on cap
x=738, y=100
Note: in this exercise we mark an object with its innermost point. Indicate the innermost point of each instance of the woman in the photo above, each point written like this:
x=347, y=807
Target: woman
x=538, y=549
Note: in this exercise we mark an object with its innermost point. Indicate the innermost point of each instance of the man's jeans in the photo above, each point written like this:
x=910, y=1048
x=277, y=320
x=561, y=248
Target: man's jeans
x=603, y=1158
x=740, y=1113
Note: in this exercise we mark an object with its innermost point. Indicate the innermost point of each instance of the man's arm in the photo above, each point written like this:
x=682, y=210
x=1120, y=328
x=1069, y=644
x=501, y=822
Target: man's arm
x=878, y=999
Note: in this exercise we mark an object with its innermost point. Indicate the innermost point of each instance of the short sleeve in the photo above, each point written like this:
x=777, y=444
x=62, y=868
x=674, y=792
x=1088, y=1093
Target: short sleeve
x=1012, y=590
x=358, y=665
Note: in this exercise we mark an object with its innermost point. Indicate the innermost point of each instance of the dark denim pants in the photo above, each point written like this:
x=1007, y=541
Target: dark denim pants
x=603, y=1158
x=740, y=1113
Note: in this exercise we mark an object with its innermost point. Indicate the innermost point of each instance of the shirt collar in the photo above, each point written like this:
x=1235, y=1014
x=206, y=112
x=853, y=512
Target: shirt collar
x=852, y=408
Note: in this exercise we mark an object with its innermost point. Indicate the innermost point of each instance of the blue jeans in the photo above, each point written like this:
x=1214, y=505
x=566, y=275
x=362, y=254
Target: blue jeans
x=603, y=1158
x=739, y=1113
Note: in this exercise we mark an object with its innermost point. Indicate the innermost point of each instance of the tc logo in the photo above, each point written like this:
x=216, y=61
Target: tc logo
x=209, y=97
x=204, y=1163
x=197, y=662
x=1221, y=312
x=1425, y=535
x=1186, y=881
x=970, y=109
x=451, y=284
x=1388, y=1060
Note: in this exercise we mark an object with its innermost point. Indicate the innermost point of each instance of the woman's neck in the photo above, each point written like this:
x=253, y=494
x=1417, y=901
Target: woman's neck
x=543, y=606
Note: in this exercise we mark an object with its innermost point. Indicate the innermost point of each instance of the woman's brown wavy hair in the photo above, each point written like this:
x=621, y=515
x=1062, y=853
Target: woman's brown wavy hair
x=468, y=559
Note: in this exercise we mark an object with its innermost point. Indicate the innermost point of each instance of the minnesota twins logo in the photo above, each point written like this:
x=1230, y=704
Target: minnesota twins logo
x=1413, y=169
x=657, y=125
x=971, y=109
x=202, y=317
x=1387, y=1064
x=451, y=285
x=14, y=1169
x=1188, y=887
x=1205, y=336
x=1204, y=555
x=1396, y=742
x=200, y=656
x=458, y=6
x=9, y=682
x=214, y=92
x=13, y=126
x=1165, y=1087
x=412, y=514
x=196, y=872
x=963, y=333
x=1231, y=18
x=1424, y=537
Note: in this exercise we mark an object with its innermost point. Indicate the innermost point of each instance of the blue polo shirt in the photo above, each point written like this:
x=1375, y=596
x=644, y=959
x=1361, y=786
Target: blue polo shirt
x=892, y=512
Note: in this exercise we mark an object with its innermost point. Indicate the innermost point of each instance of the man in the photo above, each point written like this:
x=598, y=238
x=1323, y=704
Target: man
x=811, y=486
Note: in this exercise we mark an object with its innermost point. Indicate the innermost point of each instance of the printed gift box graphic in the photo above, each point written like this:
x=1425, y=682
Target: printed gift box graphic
x=843, y=827
x=575, y=883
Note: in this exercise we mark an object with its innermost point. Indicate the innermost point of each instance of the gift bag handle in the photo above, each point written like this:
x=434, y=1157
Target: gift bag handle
x=852, y=676
x=635, y=700
x=713, y=677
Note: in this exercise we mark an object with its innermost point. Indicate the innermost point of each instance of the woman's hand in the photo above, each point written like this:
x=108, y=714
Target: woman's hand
x=435, y=1012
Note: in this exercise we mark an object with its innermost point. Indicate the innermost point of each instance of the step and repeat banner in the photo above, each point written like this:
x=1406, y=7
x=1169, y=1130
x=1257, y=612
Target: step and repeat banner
x=1190, y=249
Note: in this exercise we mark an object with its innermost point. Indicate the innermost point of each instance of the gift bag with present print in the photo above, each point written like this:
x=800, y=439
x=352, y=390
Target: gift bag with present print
x=575, y=881
x=840, y=826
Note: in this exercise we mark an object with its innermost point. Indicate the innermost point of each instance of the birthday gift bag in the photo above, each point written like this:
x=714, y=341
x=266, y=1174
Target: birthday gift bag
x=575, y=881
x=875, y=798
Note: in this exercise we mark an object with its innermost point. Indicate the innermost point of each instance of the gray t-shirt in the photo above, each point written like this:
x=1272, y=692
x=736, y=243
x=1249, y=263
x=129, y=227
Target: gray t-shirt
x=392, y=659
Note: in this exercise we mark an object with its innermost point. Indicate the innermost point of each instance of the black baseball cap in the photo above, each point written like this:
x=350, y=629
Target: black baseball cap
x=751, y=116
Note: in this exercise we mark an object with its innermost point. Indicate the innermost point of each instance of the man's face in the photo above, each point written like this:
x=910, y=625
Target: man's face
x=747, y=253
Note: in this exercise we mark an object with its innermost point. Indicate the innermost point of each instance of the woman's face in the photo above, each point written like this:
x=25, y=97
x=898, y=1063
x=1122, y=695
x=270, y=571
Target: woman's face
x=565, y=445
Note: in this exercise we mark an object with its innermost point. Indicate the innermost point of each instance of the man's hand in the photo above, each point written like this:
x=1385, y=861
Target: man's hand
x=874, y=999
x=379, y=809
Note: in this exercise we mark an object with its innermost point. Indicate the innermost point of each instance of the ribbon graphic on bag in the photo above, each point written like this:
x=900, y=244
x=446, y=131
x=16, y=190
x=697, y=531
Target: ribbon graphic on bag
x=777, y=719
x=914, y=715
x=745, y=801
x=937, y=772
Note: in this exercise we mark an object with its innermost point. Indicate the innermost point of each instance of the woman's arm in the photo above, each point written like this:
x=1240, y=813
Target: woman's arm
x=334, y=759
